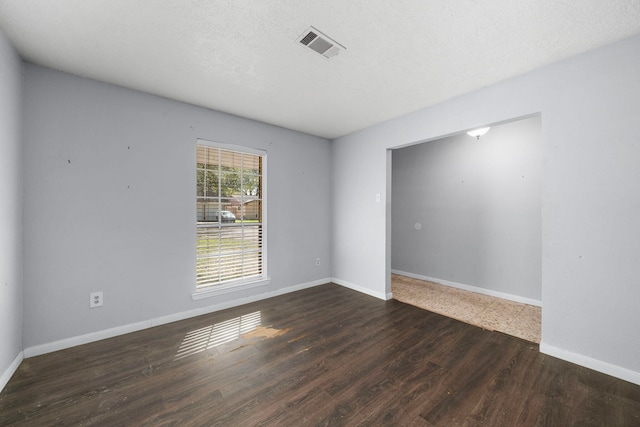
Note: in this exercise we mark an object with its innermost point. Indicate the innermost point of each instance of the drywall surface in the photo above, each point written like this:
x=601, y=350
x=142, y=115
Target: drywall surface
x=468, y=211
x=110, y=204
x=590, y=200
x=10, y=207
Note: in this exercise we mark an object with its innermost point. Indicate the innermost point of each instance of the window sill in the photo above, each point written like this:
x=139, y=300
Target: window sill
x=225, y=289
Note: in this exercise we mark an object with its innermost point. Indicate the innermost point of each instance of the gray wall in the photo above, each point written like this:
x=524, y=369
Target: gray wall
x=10, y=209
x=478, y=204
x=590, y=197
x=109, y=204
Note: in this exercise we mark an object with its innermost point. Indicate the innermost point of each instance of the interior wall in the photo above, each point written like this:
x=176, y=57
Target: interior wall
x=11, y=264
x=590, y=232
x=110, y=205
x=476, y=206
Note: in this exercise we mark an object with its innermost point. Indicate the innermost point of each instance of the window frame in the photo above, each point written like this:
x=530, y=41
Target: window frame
x=244, y=283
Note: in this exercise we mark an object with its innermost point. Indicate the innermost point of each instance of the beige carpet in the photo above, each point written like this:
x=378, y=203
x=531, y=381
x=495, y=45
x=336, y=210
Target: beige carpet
x=495, y=314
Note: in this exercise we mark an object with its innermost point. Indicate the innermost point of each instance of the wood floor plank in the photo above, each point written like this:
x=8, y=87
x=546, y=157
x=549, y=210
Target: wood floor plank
x=327, y=356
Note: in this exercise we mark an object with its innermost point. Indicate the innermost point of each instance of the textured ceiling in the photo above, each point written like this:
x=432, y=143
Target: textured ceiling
x=241, y=56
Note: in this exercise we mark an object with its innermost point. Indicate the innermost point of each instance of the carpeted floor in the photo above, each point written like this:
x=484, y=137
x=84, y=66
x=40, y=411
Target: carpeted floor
x=487, y=312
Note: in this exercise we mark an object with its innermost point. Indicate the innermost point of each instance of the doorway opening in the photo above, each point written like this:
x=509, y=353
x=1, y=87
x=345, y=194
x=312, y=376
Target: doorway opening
x=466, y=226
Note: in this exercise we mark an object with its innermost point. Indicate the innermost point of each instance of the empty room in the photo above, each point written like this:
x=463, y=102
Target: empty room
x=204, y=206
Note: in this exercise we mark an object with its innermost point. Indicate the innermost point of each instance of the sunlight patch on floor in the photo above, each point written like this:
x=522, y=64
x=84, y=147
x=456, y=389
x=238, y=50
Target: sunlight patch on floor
x=217, y=334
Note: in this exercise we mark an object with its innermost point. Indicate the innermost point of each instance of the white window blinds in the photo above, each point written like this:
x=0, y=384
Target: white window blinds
x=229, y=209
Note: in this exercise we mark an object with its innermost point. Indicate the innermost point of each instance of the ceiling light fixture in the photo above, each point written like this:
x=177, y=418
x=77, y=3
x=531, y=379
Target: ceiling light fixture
x=477, y=133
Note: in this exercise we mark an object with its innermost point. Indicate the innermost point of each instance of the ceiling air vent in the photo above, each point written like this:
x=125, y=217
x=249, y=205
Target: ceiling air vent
x=324, y=45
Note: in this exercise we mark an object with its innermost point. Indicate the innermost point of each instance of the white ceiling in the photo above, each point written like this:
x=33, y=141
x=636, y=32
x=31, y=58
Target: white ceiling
x=241, y=56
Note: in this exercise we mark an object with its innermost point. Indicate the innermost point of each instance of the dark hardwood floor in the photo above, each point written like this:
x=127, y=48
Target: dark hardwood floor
x=322, y=356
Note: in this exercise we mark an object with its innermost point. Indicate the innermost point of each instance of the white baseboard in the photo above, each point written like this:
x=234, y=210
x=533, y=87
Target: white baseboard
x=13, y=367
x=133, y=327
x=597, y=365
x=503, y=295
x=380, y=295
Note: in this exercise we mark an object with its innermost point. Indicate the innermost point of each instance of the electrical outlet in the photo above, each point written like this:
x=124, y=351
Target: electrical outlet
x=317, y=261
x=96, y=299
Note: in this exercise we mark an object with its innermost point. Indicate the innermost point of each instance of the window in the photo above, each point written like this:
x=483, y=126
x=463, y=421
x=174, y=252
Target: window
x=230, y=229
